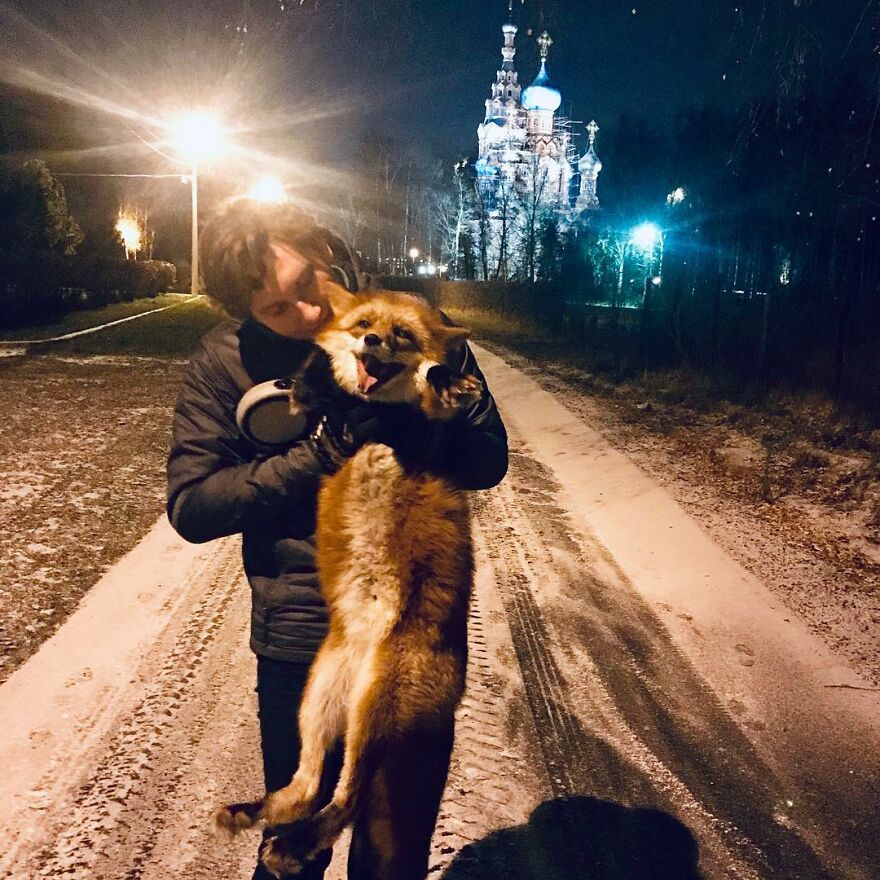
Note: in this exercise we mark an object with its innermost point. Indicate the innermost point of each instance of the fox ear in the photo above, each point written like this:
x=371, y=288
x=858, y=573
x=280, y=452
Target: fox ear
x=339, y=298
x=454, y=337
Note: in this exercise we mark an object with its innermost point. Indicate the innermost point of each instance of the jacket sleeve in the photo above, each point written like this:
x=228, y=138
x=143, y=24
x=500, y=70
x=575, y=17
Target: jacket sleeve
x=214, y=486
x=475, y=453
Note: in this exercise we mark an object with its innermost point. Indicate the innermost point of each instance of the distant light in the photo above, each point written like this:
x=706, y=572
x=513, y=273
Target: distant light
x=431, y=269
x=414, y=253
x=443, y=267
x=785, y=273
x=677, y=196
x=422, y=269
x=656, y=280
x=199, y=136
x=645, y=236
x=130, y=232
x=267, y=189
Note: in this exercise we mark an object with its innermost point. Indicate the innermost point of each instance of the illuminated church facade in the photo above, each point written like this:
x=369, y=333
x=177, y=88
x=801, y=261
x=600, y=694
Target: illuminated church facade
x=526, y=150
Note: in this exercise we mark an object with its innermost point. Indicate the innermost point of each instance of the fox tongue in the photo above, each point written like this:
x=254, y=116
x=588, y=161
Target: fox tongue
x=365, y=380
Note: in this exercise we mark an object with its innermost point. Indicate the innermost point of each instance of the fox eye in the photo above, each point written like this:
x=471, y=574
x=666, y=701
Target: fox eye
x=364, y=323
x=402, y=333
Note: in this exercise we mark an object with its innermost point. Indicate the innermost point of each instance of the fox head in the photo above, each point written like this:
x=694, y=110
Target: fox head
x=383, y=344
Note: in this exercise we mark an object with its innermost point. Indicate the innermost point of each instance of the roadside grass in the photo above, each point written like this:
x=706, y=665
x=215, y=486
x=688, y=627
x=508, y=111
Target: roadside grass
x=171, y=334
x=83, y=441
x=83, y=320
x=775, y=415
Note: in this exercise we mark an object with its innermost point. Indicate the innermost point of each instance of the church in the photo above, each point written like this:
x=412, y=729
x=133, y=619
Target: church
x=526, y=150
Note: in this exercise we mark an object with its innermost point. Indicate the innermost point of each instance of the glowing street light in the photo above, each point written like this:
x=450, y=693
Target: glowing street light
x=198, y=137
x=677, y=196
x=646, y=236
x=414, y=253
x=267, y=189
x=130, y=232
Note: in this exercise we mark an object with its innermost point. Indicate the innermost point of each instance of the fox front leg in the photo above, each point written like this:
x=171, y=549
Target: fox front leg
x=452, y=390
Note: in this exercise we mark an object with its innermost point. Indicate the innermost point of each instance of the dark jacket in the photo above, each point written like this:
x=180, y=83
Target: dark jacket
x=220, y=484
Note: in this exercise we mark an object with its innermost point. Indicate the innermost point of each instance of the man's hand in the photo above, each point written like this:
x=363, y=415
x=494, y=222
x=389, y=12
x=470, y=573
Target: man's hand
x=339, y=434
x=417, y=440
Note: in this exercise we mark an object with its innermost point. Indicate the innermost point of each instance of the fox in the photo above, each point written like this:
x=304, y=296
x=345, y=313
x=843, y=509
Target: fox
x=395, y=567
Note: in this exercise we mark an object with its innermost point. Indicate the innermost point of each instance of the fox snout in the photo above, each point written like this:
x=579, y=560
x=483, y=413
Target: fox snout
x=381, y=346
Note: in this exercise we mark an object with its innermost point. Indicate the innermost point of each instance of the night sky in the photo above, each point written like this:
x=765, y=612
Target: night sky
x=324, y=73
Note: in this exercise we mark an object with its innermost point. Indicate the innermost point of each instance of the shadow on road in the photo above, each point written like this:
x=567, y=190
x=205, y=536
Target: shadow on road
x=573, y=838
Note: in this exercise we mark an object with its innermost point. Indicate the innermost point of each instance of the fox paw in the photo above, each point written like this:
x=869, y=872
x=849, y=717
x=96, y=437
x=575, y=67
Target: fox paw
x=232, y=818
x=291, y=850
x=452, y=389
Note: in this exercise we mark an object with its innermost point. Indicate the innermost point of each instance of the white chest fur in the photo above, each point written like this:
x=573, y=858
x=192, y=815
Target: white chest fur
x=369, y=602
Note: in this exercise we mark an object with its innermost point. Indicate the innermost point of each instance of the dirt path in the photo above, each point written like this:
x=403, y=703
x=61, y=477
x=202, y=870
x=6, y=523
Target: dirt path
x=638, y=704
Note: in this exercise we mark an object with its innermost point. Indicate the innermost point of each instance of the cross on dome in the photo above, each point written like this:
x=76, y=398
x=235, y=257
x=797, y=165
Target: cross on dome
x=544, y=44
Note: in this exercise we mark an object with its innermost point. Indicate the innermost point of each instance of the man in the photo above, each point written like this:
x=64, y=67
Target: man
x=268, y=268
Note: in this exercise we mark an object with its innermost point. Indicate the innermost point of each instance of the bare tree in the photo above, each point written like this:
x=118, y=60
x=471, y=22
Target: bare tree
x=533, y=213
x=504, y=216
x=483, y=228
x=450, y=215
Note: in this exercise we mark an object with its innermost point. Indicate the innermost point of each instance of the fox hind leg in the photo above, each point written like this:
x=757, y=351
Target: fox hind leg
x=321, y=719
x=368, y=714
x=321, y=723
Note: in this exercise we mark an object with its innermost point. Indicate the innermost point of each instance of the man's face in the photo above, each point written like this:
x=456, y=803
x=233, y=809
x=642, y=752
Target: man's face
x=293, y=298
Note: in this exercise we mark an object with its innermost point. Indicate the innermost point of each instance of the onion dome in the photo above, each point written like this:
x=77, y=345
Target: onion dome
x=542, y=94
x=589, y=163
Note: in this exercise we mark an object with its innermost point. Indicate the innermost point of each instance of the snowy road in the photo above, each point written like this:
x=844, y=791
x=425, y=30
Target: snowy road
x=638, y=705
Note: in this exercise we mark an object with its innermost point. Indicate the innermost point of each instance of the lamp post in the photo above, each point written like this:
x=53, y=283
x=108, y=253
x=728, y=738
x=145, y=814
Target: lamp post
x=198, y=136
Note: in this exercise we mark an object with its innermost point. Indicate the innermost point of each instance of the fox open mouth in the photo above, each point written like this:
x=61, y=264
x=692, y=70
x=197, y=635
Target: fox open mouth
x=373, y=373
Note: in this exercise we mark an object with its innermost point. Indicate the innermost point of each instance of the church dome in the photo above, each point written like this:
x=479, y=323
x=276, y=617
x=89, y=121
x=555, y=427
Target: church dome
x=589, y=163
x=542, y=94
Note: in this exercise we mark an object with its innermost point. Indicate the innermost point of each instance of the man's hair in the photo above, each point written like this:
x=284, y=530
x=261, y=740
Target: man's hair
x=234, y=243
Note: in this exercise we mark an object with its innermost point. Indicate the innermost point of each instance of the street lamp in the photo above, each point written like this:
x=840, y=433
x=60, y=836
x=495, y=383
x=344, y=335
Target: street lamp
x=129, y=231
x=646, y=236
x=267, y=189
x=198, y=137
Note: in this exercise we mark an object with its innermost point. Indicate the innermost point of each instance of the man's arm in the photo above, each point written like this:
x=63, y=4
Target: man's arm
x=214, y=489
x=474, y=452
